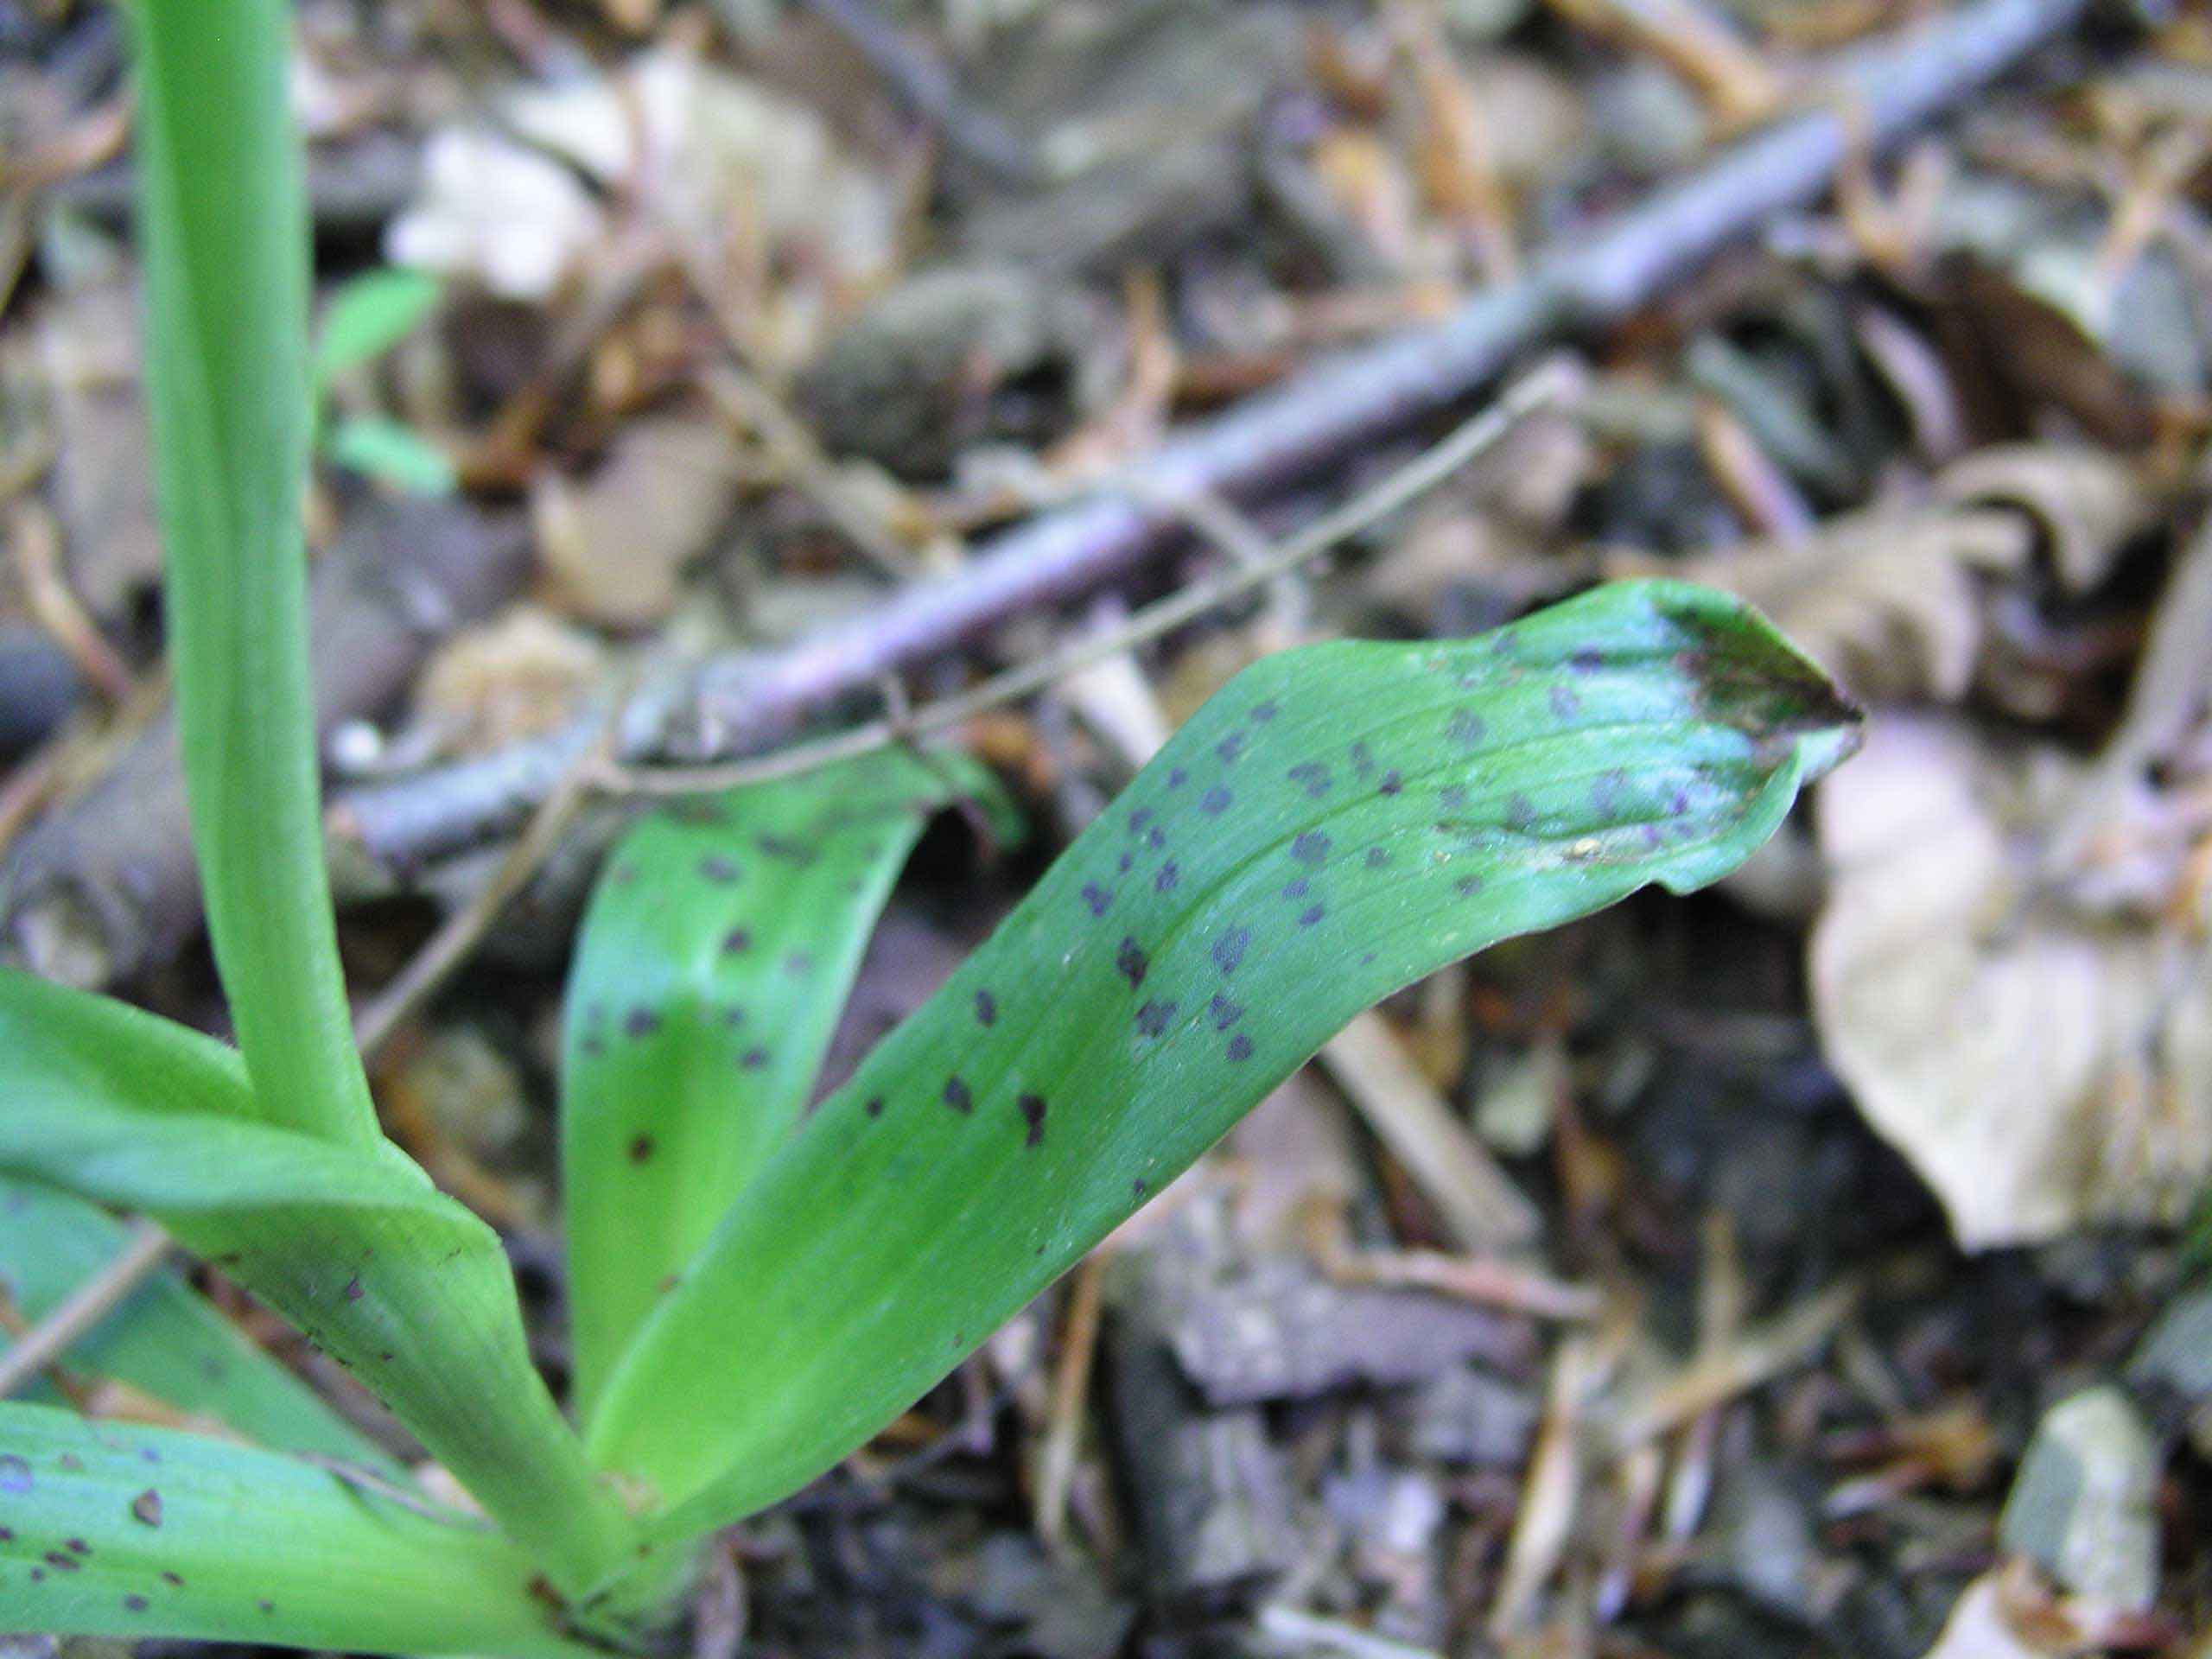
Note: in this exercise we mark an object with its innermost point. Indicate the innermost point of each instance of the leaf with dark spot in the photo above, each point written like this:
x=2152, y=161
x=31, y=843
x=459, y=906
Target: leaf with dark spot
x=709, y=966
x=281, y=1550
x=140, y=1114
x=861, y=1262
x=1228, y=948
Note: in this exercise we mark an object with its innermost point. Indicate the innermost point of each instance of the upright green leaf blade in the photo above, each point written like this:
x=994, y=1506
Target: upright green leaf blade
x=107, y=1529
x=1339, y=822
x=353, y=1245
x=165, y=1339
x=224, y=227
x=719, y=947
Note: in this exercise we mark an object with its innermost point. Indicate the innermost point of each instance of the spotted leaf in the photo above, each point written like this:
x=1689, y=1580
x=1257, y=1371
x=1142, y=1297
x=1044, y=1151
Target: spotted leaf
x=720, y=945
x=1340, y=820
x=113, y=1530
x=398, y=1283
x=165, y=1339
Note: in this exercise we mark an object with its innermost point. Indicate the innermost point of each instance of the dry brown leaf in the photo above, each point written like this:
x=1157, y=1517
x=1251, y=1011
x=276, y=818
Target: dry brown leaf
x=2043, y=1059
x=522, y=674
x=1886, y=601
x=616, y=543
x=2088, y=503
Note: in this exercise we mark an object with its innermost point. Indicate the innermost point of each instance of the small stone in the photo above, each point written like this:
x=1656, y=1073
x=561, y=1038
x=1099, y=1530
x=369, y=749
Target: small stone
x=2082, y=1504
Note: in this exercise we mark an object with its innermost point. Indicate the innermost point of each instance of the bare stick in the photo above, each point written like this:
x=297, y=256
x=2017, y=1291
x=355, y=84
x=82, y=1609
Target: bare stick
x=459, y=934
x=1407, y=484
x=741, y=704
x=85, y=1306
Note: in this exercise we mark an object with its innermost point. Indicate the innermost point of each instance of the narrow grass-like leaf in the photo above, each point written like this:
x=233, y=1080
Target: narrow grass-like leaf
x=110, y=1529
x=719, y=947
x=369, y=315
x=1337, y=822
x=223, y=224
x=165, y=1339
x=353, y=1245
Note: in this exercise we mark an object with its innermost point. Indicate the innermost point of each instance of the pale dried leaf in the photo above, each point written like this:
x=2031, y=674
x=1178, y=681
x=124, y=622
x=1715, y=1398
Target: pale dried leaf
x=2088, y=503
x=1885, y=600
x=490, y=209
x=616, y=542
x=521, y=675
x=2041, y=1064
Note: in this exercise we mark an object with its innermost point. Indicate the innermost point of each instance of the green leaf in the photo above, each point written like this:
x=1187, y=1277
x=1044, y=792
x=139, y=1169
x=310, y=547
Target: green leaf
x=113, y=1530
x=225, y=232
x=164, y=1339
x=720, y=945
x=401, y=1284
x=1338, y=822
x=392, y=453
x=369, y=315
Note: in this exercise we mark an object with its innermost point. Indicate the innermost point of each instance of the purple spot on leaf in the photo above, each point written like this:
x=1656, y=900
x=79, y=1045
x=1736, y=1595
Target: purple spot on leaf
x=1032, y=1117
x=1229, y=949
x=957, y=1097
x=1130, y=961
x=1215, y=801
x=1240, y=1047
x=1153, y=1018
x=1310, y=848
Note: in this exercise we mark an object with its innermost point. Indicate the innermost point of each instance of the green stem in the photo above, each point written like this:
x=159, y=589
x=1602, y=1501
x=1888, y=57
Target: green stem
x=224, y=226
